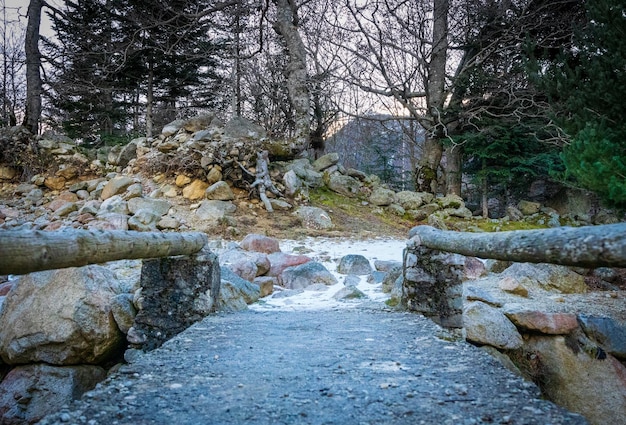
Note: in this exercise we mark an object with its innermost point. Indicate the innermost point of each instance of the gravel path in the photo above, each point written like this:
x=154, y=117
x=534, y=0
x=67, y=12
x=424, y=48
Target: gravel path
x=362, y=365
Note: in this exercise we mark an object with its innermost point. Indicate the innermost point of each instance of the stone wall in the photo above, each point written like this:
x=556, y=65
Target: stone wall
x=61, y=329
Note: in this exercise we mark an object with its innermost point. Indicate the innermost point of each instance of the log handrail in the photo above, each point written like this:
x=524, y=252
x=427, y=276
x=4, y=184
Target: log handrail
x=24, y=252
x=587, y=246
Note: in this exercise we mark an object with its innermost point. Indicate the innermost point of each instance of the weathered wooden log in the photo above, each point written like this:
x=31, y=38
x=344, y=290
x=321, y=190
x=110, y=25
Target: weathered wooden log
x=29, y=251
x=588, y=246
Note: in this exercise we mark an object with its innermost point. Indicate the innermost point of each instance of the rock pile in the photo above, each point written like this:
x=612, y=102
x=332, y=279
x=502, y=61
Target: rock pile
x=530, y=316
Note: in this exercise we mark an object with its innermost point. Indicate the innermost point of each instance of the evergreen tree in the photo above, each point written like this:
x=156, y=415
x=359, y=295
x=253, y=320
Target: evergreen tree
x=588, y=87
x=117, y=59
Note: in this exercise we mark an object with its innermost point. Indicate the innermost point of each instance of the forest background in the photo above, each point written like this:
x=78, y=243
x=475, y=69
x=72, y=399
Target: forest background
x=431, y=95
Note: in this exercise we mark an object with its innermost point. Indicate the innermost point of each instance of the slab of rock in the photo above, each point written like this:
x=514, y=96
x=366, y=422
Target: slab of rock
x=354, y=264
x=182, y=180
x=279, y=261
x=513, y=286
x=160, y=207
x=344, y=185
x=326, y=161
x=260, y=243
x=549, y=277
x=314, y=218
x=488, y=325
x=143, y=221
x=61, y=317
x=412, y=200
x=266, y=285
x=528, y=207
x=116, y=186
x=55, y=183
x=114, y=204
x=576, y=377
x=474, y=293
x=213, y=211
x=390, y=279
x=451, y=201
x=609, y=334
x=382, y=197
x=301, y=276
x=195, y=190
x=220, y=191
x=386, y=265
x=28, y=393
x=349, y=293
x=546, y=323
x=474, y=268
x=123, y=311
x=172, y=128
x=236, y=293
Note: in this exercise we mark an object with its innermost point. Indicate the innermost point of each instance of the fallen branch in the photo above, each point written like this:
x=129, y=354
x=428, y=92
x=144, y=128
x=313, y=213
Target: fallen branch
x=588, y=246
x=263, y=180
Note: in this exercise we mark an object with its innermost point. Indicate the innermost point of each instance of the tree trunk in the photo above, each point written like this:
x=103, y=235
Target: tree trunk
x=428, y=165
x=25, y=252
x=426, y=174
x=150, y=100
x=297, y=76
x=485, y=190
x=454, y=169
x=33, y=65
x=589, y=246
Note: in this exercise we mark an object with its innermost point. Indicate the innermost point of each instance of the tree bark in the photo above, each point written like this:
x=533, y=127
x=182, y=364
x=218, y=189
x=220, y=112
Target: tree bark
x=25, y=252
x=33, y=65
x=426, y=174
x=297, y=75
x=454, y=169
x=589, y=246
x=428, y=165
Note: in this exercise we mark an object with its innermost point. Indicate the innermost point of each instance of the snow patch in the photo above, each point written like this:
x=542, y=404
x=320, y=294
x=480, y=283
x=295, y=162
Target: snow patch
x=329, y=251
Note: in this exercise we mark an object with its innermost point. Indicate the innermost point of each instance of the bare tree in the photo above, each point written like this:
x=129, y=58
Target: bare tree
x=286, y=24
x=419, y=56
x=33, y=65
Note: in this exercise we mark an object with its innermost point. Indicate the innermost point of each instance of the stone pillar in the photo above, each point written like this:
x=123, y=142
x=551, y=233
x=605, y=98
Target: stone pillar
x=432, y=284
x=176, y=292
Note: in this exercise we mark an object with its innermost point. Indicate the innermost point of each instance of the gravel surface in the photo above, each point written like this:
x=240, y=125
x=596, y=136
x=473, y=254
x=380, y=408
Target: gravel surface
x=361, y=365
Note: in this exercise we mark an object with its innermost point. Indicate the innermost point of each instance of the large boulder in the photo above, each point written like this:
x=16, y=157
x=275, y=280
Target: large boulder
x=61, y=317
x=488, y=325
x=236, y=293
x=311, y=273
x=159, y=207
x=576, y=375
x=382, y=197
x=220, y=191
x=211, y=212
x=116, y=186
x=354, y=264
x=344, y=185
x=606, y=332
x=314, y=218
x=549, y=277
x=245, y=264
x=279, y=261
x=28, y=393
x=413, y=200
x=326, y=161
x=260, y=243
x=195, y=190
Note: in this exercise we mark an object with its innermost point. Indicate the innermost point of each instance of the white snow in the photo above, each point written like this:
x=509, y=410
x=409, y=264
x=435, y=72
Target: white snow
x=329, y=251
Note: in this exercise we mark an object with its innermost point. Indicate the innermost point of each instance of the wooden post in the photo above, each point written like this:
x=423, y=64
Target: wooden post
x=24, y=252
x=588, y=246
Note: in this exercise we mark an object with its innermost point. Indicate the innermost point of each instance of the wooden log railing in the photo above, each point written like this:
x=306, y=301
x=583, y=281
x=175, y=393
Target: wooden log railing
x=587, y=246
x=24, y=252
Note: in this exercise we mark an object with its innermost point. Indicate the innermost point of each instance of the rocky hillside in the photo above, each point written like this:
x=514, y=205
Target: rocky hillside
x=202, y=174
